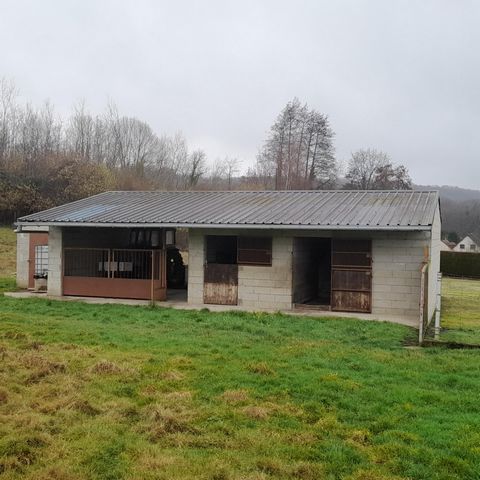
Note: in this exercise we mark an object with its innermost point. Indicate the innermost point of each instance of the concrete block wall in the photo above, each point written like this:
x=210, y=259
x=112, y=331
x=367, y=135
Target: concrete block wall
x=396, y=271
x=397, y=260
x=268, y=288
x=55, y=268
x=23, y=254
x=196, y=253
x=259, y=287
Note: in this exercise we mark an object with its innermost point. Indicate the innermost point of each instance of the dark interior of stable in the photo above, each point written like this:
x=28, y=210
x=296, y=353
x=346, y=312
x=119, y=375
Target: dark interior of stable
x=222, y=249
x=312, y=271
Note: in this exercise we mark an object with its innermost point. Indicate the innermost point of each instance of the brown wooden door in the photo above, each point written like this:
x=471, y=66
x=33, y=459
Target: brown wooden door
x=352, y=275
x=220, y=284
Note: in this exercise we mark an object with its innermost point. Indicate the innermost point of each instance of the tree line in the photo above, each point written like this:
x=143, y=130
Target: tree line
x=46, y=160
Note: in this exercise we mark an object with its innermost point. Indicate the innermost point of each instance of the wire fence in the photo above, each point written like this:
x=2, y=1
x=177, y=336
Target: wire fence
x=460, y=311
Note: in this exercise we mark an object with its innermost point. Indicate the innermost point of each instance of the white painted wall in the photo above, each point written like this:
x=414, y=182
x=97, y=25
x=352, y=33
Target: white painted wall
x=467, y=243
x=444, y=247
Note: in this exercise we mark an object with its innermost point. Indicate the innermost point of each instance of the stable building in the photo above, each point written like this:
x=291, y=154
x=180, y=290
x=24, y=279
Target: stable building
x=370, y=253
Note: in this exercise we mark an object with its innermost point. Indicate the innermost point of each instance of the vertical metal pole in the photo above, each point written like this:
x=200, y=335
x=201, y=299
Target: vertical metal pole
x=152, y=293
x=422, y=301
x=438, y=306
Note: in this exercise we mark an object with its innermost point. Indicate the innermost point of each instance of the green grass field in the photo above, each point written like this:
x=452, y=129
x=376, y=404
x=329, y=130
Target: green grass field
x=460, y=319
x=116, y=392
x=111, y=392
x=7, y=252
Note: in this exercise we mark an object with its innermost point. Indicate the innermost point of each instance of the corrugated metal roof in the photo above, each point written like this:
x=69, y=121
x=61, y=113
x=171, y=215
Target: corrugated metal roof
x=283, y=209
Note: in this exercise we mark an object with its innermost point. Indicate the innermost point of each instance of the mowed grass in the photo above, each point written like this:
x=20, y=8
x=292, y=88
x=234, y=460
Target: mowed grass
x=118, y=392
x=460, y=317
x=7, y=252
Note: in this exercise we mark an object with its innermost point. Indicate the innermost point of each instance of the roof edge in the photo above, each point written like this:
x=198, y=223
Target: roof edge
x=233, y=226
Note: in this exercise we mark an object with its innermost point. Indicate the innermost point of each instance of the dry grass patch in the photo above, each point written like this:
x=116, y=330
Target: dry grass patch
x=172, y=376
x=163, y=421
x=178, y=396
x=260, y=368
x=256, y=412
x=55, y=474
x=3, y=396
x=235, y=396
x=41, y=366
x=105, y=367
x=85, y=407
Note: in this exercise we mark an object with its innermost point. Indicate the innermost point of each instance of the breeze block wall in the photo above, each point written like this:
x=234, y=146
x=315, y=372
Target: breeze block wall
x=268, y=288
x=398, y=258
x=23, y=253
x=196, y=255
x=259, y=287
x=55, y=247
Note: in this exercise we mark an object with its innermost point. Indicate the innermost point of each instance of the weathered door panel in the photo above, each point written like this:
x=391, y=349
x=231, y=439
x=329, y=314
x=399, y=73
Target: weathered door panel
x=220, y=284
x=349, y=301
x=352, y=275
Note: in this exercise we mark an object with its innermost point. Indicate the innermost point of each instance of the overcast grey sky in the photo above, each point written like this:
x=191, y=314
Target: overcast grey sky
x=401, y=76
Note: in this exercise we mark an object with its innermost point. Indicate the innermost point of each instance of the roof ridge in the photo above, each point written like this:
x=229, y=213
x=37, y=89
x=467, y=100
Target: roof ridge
x=271, y=191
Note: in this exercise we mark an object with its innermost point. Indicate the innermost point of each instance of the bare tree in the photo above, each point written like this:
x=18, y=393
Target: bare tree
x=196, y=168
x=8, y=110
x=298, y=152
x=372, y=170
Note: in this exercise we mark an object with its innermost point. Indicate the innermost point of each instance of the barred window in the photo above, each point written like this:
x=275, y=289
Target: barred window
x=41, y=260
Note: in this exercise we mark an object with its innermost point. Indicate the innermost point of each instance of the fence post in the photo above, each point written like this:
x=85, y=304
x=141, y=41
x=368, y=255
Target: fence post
x=438, y=305
x=421, y=325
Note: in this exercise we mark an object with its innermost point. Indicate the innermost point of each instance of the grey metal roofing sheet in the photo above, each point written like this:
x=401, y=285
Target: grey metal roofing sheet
x=323, y=209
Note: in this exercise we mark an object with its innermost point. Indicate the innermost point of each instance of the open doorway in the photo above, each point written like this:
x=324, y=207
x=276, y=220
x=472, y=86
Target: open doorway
x=312, y=270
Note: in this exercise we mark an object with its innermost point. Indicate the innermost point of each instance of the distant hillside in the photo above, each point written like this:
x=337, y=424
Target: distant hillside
x=460, y=208
x=456, y=194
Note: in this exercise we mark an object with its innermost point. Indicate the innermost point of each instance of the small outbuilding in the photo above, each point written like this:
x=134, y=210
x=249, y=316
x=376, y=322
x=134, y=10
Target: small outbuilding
x=375, y=253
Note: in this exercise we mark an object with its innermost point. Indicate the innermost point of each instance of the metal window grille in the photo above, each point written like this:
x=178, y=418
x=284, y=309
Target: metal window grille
x=132, y=264
x=41, y=260
x=106, y=263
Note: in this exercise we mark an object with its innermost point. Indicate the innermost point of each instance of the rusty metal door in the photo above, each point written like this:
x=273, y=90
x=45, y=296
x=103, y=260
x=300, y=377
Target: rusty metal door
x=351, y=275
x=220, y=285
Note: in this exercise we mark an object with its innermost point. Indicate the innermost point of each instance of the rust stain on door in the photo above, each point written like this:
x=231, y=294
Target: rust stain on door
x=352, y=275
x=220, y=284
